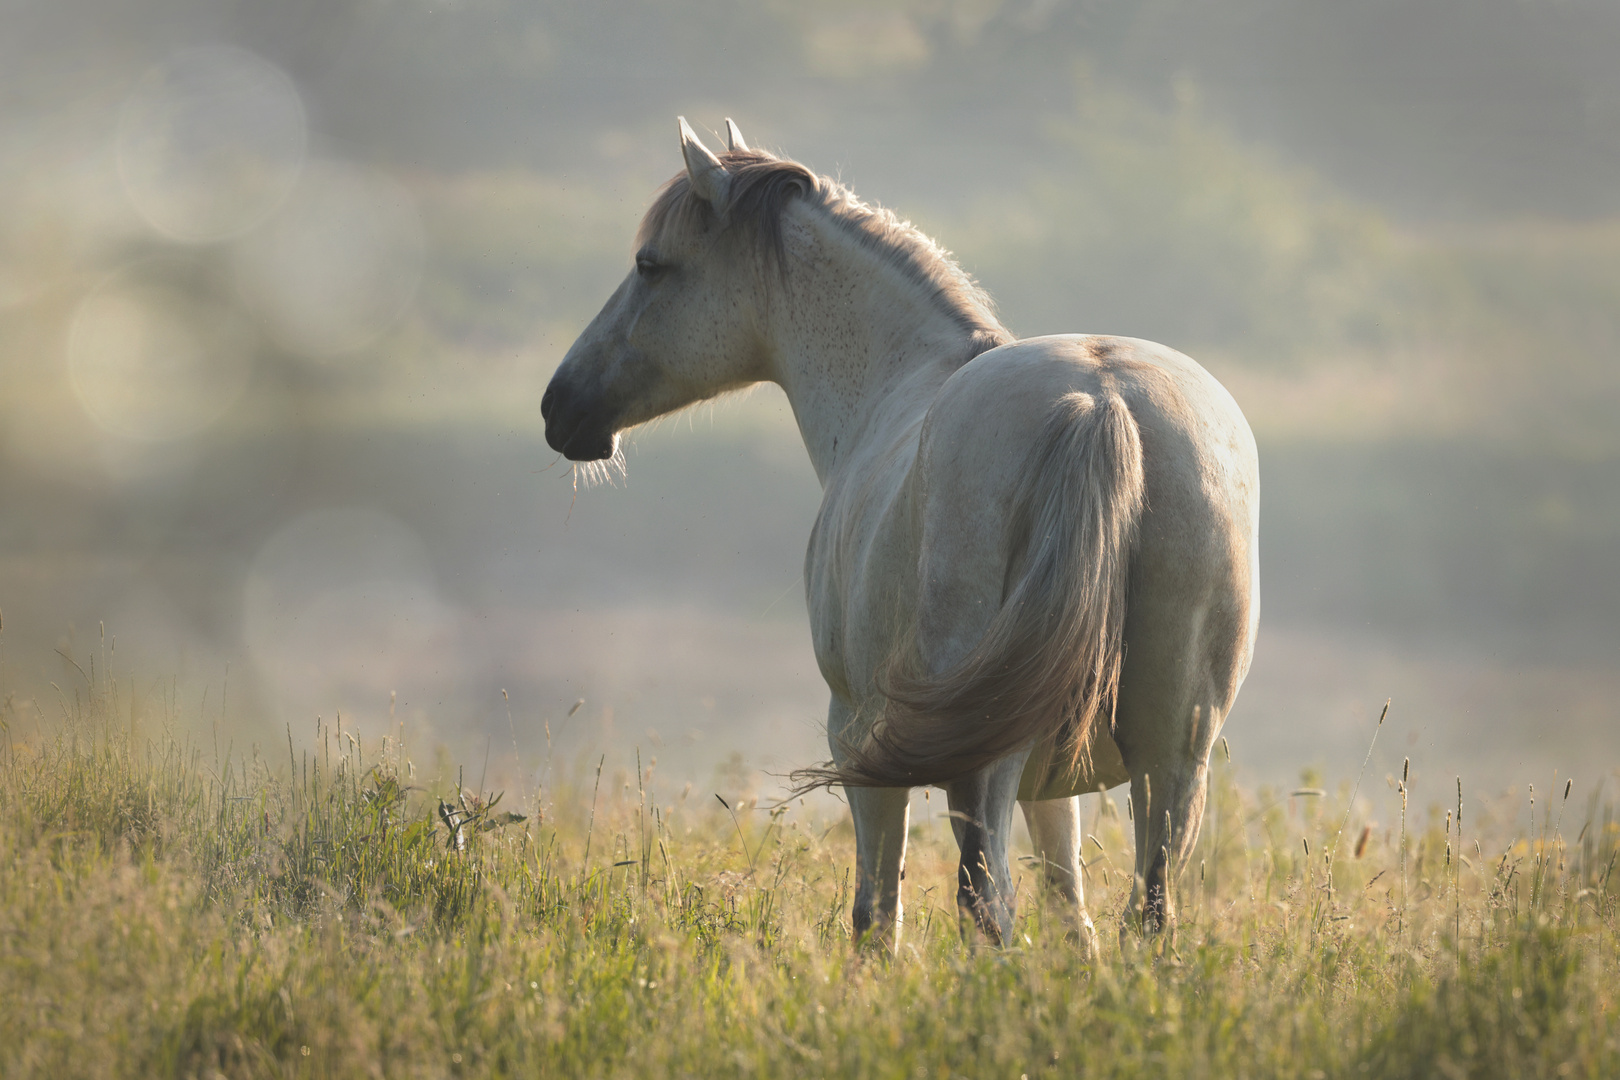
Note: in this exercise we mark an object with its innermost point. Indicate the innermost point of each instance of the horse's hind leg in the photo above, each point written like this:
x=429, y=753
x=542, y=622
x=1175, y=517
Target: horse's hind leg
x=1054, y=828
x=982, y=817
x=1183, y=666
x=1169, y=779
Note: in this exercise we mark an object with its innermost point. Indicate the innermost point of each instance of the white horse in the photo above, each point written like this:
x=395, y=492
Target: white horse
x=1034, y=572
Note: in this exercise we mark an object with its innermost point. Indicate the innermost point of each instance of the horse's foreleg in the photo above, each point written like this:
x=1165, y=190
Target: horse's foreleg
x=1054, y=828
x=882, y=816
x=881, y=819
x=982, y=816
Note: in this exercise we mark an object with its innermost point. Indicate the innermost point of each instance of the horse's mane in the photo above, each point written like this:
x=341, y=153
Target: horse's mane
x=762, y=184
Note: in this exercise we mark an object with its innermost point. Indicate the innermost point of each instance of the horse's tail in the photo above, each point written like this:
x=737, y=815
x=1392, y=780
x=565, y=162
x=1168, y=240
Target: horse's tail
x=1048, y=665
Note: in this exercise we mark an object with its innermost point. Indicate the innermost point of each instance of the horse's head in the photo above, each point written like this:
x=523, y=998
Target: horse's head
x=685, y=323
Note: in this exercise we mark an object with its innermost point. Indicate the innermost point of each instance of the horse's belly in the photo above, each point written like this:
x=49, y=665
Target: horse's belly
x=1100, y=768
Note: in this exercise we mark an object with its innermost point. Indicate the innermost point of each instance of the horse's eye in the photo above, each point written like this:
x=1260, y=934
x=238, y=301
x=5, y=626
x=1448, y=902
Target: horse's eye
x=648, y=268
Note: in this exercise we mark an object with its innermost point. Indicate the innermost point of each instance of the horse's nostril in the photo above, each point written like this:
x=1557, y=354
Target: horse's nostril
x=546, y=401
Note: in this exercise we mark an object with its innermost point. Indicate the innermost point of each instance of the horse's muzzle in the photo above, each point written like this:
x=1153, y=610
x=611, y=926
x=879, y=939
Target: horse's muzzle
x=572, y=430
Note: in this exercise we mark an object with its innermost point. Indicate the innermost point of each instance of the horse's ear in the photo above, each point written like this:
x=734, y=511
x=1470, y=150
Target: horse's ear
x=709, y=179
x=734, y=139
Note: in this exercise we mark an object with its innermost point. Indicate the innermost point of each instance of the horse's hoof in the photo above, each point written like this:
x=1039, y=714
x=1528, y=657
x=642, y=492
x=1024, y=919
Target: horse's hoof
x=1086, y=938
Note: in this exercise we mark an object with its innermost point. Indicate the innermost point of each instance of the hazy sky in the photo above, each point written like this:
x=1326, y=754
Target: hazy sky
x=1448, y=108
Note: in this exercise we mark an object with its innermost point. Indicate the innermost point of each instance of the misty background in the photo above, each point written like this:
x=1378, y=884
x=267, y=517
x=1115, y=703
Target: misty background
x=281, y=286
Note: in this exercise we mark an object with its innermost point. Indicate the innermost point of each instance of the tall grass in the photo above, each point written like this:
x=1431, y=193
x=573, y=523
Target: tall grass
x=164, y=912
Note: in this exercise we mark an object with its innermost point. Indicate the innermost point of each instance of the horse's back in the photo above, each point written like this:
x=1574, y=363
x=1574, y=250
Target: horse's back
x=1199, y=456
x=1169, y=393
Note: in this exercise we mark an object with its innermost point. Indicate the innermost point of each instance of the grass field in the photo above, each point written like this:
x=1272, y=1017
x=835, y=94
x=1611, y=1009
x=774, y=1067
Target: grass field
x=310, y=912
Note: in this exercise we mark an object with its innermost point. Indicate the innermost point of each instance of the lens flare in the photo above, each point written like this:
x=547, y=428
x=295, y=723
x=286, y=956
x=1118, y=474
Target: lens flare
x=151, y=362
x=210, y=143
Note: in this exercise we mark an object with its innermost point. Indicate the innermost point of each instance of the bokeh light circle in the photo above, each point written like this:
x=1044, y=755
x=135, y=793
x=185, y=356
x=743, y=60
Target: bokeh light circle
x=338, y=265
x=151, y=361
x=210, y=143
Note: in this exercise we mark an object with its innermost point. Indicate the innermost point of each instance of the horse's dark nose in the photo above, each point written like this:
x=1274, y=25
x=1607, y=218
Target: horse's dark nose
x=595, y=447
x=576, y=425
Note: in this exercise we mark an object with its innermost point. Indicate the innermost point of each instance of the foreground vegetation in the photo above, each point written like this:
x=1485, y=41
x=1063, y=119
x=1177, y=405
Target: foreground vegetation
x=169, y=912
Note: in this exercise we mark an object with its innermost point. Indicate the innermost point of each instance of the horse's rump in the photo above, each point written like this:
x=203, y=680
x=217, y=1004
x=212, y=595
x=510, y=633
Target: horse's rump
x=1047, y=667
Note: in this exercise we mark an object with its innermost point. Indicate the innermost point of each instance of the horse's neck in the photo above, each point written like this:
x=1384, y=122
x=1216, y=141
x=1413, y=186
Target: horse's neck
x=859, y=347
